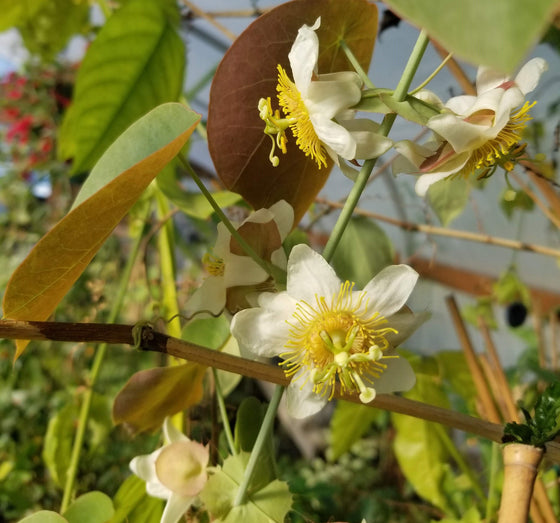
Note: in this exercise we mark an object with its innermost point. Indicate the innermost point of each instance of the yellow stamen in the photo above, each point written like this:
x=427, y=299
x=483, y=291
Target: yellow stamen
x=497, y=150
x=337, y=341
x=213, y=264
x=297, y=114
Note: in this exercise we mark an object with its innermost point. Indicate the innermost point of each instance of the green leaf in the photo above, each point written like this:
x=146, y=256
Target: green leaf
x=122, y=174
x=509, y=288
x=58, y=442
x=238, y=146
x=363, y=251
x=135, y=63
x=349, y=423
x=267, y=504
x=133, y=504
x=48, y=30
x=44, y=516
x=193, y=204
x=418, y=447
x=448, y=198
x=250, y=416
x=470, y=516
x=455, y=371
x=93, y=507
x=498, y=34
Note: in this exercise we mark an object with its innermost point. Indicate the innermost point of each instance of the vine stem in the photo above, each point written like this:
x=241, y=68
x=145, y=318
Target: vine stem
x=264, y=431
x=223, y=412
x=94, y=374
x=365, y=172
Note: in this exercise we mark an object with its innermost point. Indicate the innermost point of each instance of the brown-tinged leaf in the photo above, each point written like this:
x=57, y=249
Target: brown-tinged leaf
x=237, y=143
x=127, y=168
x=151, y=395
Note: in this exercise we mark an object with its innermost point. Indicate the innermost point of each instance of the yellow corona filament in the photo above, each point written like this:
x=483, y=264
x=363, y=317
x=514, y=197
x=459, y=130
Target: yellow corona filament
x=213, y=264
x=336, y=340
x=497, y=150
x=297, y=115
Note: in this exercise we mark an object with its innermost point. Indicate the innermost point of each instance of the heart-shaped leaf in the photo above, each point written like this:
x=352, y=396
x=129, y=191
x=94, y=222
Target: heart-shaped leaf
x=136, y=63
x=497, y=33
x=125, y=170
x=248, y=72
x=151, y=395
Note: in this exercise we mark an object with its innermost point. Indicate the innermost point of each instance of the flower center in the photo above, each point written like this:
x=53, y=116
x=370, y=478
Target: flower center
x=213, y=264
x=337, y=341
x=297, y=114
x=497, y=151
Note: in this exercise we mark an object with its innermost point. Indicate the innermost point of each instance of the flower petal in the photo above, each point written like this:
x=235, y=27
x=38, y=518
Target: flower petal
x=242, y=270
x=175, y=508
x=263, y=332
x=210, y=297
x=530, y=74
x=398, y=376
x=283, y=214
x=301, y=401
x=488, y=78
x=328, y=98
x=172, y=433
x=334, y=136
x=390, y=288
x=309, y=275
x=303, y=56
x=369, y=143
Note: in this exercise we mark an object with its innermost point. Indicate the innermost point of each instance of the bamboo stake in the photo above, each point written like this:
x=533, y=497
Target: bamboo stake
x=520, y=470
x=476, y=371
x=451, y=233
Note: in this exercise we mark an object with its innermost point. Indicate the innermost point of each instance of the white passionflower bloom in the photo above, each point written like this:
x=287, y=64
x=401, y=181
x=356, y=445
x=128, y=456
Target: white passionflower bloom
x=317, y=108
x=327, y=333
x=176, y=472
x=231, y=270
x=475, y=133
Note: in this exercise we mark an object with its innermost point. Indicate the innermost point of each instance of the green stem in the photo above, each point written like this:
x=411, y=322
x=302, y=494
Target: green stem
x=433, y=75
x=365, y=172
x=461, y=463
x=223, y=412
x=94, y=374
x=260, y=442
x=356, y=65
x=277, y=273
x=166, y=249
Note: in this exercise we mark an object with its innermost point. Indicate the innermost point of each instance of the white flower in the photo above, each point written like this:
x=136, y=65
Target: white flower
x=175, y=472
x=327, y=333
x=317, y=108
x=474, y=133
x=230, y=269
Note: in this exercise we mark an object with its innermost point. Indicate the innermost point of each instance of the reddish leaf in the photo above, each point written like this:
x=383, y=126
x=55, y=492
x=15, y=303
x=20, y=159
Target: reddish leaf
x=238, y=146
x=151, y=395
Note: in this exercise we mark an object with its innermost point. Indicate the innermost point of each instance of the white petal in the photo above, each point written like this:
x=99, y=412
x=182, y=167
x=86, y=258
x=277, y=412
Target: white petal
x=283, y=216
x=144, y=466
x=242, y=270
x=398, y=376
x=414, y=154
x=530, y=74
x=172, y=433
x=221, y=247
x=461, y=135
x=405, y=323
x=309, y=275
x=301, y=401
x=210, y=297
x=487, y=78
x=278, y=258
x=328, y=98
x=461, y=105
x=424, y=182
x=303, y=56
x=334, y=136
x=262, y=332
x=175, y=508
x=369, y=143
x=390, y=288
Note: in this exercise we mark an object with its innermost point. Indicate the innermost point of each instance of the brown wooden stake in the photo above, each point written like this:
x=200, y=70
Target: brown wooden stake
x=520, y=470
